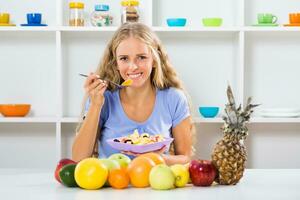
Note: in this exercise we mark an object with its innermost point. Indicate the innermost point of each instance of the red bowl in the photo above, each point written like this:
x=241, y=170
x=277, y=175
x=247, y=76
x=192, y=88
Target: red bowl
x=14, y=110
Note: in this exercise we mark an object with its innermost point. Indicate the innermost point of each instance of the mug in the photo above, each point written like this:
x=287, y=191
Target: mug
x=34, y=18
x=294, y=18
x=266, y=18
x=4, y=18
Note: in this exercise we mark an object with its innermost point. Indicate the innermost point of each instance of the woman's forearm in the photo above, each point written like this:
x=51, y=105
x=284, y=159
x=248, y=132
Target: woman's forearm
x=176, y=159
x=85, y=138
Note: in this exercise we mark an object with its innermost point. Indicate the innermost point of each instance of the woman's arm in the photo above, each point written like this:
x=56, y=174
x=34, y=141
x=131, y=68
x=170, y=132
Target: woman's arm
x=182, y=134
x=85, y=138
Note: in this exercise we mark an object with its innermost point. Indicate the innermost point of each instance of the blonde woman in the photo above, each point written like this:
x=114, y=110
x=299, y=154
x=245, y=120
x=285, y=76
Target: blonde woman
x=155, y=103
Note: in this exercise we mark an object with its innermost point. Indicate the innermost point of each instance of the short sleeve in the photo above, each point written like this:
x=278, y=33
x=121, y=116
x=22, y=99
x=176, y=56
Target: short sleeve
x=104, y=111
x=178, y=106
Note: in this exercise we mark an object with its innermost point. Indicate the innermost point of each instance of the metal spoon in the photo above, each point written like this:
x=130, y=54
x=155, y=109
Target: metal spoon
x=116, y=84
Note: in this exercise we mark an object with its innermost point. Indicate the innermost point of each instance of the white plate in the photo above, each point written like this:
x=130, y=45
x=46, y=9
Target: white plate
x=280, y=114
x=280, y=110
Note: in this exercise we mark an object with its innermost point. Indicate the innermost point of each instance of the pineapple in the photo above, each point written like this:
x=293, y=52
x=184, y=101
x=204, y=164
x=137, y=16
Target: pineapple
x=229, y=154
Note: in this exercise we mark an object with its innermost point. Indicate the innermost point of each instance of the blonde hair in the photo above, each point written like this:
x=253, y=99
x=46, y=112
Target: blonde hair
x=163, y=74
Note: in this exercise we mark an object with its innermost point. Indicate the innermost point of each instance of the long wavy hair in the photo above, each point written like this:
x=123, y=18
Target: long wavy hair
x=163, y=74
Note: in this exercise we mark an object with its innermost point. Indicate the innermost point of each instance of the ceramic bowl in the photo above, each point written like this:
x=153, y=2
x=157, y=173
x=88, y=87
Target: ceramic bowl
x=15, y=110
x=176, y=21
x=212, y=21
x=208, y=112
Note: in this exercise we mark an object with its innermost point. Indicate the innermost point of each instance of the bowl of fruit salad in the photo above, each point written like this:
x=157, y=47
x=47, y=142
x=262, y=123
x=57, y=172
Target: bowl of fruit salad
x=140, y=143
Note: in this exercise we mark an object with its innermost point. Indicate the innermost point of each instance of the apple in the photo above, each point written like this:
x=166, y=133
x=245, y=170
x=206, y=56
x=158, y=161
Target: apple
x=60, y=164
x=111, y=165
x=161, y=177
x=122, y=159
x=202, y=172
x=181, y=173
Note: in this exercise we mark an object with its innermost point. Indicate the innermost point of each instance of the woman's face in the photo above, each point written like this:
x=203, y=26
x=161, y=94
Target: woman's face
x=134, y=61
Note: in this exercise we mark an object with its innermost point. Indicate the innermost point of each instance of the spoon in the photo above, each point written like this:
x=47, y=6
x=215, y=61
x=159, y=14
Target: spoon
x=126, y=83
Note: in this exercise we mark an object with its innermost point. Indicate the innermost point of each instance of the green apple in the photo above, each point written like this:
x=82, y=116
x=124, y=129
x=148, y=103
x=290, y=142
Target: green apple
x=111, y=165
x=161, y=177
x=122, y=159
x=181, y=173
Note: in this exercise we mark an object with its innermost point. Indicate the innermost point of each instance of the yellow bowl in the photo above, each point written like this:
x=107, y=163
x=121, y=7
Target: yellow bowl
x=14, y=110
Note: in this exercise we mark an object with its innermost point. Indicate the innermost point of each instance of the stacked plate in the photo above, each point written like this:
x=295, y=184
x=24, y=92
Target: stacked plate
x=280, y=112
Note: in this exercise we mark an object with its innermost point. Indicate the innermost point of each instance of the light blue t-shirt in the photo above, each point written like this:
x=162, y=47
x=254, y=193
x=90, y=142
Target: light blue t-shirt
x=171, y=107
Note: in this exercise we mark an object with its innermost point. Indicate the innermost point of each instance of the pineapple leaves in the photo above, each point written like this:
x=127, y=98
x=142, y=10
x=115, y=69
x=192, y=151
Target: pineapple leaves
x=236, y=117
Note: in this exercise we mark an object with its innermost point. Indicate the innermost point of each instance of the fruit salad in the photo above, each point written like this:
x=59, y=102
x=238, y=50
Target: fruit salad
x=140, y=139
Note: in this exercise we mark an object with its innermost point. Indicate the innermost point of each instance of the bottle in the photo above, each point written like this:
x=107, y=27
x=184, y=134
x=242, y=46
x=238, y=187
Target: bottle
x=76, y=15
x=101, y=16
x=130, y=11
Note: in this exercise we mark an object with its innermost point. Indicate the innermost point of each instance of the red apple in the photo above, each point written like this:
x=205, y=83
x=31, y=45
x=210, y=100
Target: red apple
x=202, y=172
x=60, y=164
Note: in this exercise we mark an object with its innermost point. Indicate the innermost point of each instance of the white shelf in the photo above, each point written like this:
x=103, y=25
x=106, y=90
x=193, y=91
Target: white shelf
x=28, y=120
x=197, y=120
x=155, y=28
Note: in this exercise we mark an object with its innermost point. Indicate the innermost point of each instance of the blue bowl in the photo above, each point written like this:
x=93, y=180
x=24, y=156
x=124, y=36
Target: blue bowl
x=209, y=112
x=176, y=21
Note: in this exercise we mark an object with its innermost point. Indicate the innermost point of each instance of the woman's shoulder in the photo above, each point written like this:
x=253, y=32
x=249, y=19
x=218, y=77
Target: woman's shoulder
x=173, y=93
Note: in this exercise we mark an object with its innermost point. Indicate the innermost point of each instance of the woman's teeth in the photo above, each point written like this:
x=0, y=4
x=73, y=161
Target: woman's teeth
x=134, y=75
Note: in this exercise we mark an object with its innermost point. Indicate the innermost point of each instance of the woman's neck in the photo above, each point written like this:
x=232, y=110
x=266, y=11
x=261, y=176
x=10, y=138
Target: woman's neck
x=138, y=96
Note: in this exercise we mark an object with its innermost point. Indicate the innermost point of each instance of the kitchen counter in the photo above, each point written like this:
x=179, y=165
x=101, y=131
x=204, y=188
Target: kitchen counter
x=256, y=184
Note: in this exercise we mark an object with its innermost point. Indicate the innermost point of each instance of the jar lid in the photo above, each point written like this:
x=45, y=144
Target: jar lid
x=130, y=3
x=76, y=5
x=101, y=7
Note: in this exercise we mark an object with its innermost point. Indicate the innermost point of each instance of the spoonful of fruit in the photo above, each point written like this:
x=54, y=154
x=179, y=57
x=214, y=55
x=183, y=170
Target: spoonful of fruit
x=126, y=83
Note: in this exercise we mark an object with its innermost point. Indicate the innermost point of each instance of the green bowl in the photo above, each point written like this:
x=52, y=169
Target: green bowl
x=212, y=21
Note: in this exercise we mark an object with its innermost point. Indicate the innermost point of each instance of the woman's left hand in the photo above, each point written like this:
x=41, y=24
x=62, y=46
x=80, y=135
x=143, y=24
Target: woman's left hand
x=159, y=151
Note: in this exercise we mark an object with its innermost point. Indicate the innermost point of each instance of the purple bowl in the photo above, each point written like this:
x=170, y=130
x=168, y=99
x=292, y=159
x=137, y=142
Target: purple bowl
x=139, y=148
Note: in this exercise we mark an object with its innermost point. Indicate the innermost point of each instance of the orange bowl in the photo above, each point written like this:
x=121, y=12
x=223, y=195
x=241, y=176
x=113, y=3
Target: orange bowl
x=14, y=110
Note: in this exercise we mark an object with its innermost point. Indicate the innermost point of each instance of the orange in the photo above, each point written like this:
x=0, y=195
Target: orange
x=139, y=170
x=118, y=178
x=157, y=158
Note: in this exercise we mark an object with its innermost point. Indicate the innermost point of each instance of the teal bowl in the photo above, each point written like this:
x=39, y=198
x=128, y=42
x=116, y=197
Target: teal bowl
x=176, y=21
x=208, y=112
x=212, y=21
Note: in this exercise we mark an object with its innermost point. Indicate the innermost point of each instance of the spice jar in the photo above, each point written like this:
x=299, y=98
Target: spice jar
x=130, y=11
x=101, y=16
x=76, y=17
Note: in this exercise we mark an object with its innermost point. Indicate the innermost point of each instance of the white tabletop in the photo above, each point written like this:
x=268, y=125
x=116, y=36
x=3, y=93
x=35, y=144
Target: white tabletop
x=256, y=184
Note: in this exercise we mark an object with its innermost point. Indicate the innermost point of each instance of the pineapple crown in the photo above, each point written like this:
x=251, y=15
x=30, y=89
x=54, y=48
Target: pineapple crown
x=235, y=117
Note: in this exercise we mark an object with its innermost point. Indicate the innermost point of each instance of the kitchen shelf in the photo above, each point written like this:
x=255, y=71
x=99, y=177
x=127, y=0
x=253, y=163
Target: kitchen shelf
x=156, y=29
x=256, y=61
x=196, y=120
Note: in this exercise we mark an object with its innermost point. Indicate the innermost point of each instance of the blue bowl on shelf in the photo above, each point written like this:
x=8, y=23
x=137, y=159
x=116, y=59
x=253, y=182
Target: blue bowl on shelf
x=176, y=21
x=208, y=111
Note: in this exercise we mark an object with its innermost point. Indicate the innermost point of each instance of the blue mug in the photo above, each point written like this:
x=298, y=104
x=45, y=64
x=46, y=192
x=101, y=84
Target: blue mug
x=34, y=18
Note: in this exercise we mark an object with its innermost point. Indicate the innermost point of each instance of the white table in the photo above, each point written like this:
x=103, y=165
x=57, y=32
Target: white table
x=256, y=184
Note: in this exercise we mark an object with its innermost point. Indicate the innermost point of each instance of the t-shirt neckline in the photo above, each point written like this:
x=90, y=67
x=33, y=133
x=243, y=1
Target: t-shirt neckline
x=133, y=121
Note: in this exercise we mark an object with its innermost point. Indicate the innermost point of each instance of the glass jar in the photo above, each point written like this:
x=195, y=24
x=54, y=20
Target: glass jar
x=101, y=16
x=76, y=15
x=130, y=11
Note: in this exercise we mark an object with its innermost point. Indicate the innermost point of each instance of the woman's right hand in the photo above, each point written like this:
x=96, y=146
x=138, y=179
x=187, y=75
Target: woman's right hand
x=95, y=88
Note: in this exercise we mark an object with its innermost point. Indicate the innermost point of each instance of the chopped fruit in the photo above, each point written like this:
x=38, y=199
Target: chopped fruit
x=140, y=139
x=128, y=82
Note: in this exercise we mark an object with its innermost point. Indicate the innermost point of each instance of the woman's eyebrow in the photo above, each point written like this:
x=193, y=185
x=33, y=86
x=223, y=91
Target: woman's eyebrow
x=122, y=55
x=141, y=54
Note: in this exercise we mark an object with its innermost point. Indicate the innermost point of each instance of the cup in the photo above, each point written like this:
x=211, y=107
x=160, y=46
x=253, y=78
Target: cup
x=266, y=18
x=294, y=18
x=34, y=18
x=4, y=18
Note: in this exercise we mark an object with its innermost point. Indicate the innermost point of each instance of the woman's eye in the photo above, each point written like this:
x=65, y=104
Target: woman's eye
x=142, y=57
x=123, y=58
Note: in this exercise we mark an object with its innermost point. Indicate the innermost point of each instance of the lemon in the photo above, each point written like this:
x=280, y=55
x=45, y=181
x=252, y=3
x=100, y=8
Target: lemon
x=91, y=173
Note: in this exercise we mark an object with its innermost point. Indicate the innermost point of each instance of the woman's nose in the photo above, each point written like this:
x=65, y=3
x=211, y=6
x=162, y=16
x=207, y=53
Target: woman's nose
x=133, y=65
